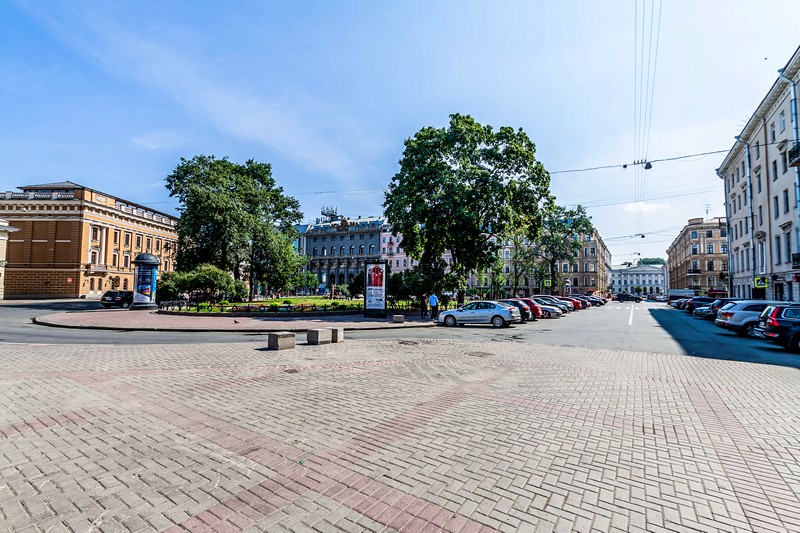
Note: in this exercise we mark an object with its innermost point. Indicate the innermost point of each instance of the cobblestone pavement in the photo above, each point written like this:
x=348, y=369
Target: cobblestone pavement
x=394, y=435
x=124, y=319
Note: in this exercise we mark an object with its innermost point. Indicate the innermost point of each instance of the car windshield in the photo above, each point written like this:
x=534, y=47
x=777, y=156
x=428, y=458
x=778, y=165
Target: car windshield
x=728, y=306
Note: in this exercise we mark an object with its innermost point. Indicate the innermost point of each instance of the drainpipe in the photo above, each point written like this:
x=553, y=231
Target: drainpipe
x=728, y=233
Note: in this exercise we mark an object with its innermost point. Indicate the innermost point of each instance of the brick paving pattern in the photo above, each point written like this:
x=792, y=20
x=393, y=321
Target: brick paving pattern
x=394, y=435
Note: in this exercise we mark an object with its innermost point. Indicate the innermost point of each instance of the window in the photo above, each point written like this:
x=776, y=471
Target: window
x=710, y=281
x=361, y=250
x=723, y=232
x=709, y=233
x=574, y=282
x=788, y=243
x=774, y=169
x=782, y=121
x=324, y=251
x=353, y=249
x=592, y=252
x=758, y=150
x=93, y=258
x=138, y=241
x=341, y=250
x=695, y=249
x=333, y=250
x=785, y=162
x=372, y=251
x=158, y=245
x=126, y=261
x=709, y=248
x=694, y=234
x=114, y=259
x=775, y=209
x=95, y=233
x=762, y=257
x=777, y=249
x=125, y=284
x=695, y=265
x=565, y=267
x=785, y=200
x=760, y=216
x=585, y=281
x=314, y=252
x=149, y=243
x=772, y=132
x=575, y=267
x=723, y=248
x=116, y=237
x=508, y=254
x=758, y=182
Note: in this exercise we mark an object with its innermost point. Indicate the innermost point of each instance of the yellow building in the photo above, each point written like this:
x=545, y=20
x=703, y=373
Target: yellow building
x=75, y=242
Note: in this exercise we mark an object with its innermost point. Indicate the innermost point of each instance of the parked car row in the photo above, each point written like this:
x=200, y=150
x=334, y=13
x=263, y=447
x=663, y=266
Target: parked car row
x=772, y=320
x=500, y=313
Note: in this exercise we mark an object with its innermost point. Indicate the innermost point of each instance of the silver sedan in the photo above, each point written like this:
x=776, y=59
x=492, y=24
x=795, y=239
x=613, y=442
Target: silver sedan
x=481, y=312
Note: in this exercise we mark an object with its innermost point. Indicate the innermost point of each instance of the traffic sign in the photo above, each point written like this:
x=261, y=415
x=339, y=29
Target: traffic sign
x=548, y=283
x=760, y=282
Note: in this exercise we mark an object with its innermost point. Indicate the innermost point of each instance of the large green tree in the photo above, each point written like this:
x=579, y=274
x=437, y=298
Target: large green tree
x=459, y=186
x=559, y=238
x=225, y=210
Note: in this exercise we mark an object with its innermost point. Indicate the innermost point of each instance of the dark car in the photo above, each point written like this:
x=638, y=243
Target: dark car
x=716, y=305
x=122, y=299
x=536, y=311
x=781, y=325
x=524, y=311
x=697, y=301
x=625, y=297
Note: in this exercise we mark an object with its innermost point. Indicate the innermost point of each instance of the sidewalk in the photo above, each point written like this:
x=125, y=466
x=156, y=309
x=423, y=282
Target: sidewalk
x=127, y=320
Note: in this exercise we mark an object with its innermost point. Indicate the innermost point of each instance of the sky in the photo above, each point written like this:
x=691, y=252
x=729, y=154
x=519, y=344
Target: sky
x=111, y=95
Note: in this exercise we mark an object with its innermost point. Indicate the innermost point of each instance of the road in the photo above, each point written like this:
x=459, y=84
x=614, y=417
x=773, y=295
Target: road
x=647, y=327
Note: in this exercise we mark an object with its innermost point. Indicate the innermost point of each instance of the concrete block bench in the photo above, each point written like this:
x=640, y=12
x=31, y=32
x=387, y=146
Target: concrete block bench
x=398, y=319
x=337, y=334
x=319, y=336
x=281, y=340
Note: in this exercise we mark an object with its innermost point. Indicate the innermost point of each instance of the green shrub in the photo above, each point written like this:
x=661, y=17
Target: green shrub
x=273, y=308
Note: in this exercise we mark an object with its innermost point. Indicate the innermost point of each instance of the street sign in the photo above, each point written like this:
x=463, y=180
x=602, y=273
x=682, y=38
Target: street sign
x=760, y=282
x=548, y=283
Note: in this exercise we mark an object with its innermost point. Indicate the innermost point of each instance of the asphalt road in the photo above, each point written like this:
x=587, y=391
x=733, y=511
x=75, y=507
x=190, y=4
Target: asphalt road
x=646, y=327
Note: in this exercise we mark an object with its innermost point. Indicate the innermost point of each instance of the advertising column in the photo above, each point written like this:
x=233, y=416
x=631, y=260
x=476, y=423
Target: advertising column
x=375, y=291
x=144, y=282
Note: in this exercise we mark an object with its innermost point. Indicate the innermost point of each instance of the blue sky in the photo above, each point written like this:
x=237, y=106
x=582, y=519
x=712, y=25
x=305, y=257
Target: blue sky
x=112, y=94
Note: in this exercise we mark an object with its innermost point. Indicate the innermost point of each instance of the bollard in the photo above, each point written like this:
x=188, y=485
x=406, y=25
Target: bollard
x=337, y=334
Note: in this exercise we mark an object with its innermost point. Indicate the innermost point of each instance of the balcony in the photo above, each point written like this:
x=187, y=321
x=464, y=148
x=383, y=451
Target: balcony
x=794, y=155
x=693, y=271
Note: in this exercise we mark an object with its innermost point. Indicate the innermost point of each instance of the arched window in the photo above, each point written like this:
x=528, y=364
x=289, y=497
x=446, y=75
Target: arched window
x=333, y=250
x=99, y=285
x=361, y=250
x=91, y=284
x=324, y=251
x=315, y=252
x=352, y=249
x=371, y=249
x=125, y=284
x=341, y=250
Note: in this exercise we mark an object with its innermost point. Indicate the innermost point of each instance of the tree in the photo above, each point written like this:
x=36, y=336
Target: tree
x=224, y=210
x=523, y=259
x=211, y=282
x=651, y=261
x=457, y=188
x=497, y=278
x=357, y=284
x=273, y=259
x=305, y=280
x=559, y=237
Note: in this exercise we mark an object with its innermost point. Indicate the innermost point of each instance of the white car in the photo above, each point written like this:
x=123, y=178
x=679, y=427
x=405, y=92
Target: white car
x=481, y=312
x=550, y=311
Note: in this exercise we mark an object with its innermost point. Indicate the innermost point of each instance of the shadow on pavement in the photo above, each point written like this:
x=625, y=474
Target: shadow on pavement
x=53, y=305
x=701, y=338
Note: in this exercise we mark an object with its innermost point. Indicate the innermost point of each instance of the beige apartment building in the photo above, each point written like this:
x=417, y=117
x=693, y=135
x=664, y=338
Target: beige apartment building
x=698, y=257
x=73, y=241
x=761, y=179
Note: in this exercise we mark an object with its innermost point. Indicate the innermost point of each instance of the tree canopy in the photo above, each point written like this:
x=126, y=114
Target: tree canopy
x=230, y=214
x=459, y=186
x=559, y=238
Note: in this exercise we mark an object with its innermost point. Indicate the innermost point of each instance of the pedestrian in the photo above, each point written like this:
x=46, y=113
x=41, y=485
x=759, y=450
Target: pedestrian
x=424, y=306
x=433, y=301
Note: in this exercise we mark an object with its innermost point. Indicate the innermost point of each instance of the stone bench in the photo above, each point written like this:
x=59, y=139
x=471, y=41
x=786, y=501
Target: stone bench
x=337, y=334
x=398, y=319
x=319, y=336
x=281, y=340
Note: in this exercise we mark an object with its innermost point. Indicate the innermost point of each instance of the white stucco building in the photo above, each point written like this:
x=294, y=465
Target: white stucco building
x=651, y=279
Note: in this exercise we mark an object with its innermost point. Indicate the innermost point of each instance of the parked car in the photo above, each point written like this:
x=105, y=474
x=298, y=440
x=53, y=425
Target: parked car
x=625, y=297
x=481, y=312
x=697, y=301
x=524, y=310
x=681, y=304
x=550, y=311
x=781, y=325
x=702, y=312
x=576, y=304
x=742, y=317
x=596, y=300
x=546, y=299
x=536, y=310
x=716, y=305
x=122, y=299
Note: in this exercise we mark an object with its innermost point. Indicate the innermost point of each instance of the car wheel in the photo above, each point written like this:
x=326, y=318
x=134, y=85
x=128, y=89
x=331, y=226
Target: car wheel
x=545, y=313
x=449, y=321
x=794, y=344
x=498, y=322
x=748, y=330
x=125, y=305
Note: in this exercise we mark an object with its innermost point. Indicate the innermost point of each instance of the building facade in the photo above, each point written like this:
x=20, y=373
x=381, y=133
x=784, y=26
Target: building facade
x=698, y=257
x=337, y=248
x=75, y=242
x=5, y=230
x=761, y=178
x=590, y=272
x=642, y=279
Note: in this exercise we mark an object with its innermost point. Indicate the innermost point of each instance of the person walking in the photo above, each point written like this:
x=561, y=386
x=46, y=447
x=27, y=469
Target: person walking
x=424, y=306
x=433, y=302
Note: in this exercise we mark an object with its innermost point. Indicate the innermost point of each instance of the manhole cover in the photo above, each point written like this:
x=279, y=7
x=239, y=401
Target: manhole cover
x=291, y=371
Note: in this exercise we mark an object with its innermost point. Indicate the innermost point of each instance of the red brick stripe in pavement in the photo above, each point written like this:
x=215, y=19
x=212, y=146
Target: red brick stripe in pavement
x=328, y=474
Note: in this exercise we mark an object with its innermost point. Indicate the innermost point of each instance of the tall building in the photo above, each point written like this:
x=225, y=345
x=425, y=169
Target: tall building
x=698, y=257
x=74, y=241
x=761, y=196
x=336, y=248
x=643, y=279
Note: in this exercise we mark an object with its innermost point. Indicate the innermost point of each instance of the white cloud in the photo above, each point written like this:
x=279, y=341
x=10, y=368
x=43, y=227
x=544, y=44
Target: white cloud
x=159, y=140
x=644, y=207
